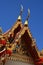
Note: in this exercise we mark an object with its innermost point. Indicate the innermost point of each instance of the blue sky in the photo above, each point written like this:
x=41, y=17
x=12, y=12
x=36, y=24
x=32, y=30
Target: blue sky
x=9, y=12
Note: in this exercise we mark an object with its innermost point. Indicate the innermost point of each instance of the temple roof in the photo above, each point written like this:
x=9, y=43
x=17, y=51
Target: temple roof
x=21, y=35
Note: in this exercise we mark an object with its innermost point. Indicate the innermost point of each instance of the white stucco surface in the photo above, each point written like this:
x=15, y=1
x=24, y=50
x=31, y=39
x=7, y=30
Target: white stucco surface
x=10, y=62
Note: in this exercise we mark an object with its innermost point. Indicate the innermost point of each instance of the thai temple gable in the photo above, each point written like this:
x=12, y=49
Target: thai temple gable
x=17, y=45
x=28, y=36
x=17, y=24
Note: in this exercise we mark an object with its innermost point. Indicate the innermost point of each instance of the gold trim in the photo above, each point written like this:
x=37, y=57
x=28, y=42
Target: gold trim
x=13, y=28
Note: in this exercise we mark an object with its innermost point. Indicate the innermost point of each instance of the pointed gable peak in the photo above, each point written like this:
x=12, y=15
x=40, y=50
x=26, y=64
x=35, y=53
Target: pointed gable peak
x=19, y=17
x=26, y=23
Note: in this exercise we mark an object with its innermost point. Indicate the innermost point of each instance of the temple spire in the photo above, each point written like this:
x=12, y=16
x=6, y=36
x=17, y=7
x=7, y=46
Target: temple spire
x=26, y=22
x=19, y=18
x=28, y=14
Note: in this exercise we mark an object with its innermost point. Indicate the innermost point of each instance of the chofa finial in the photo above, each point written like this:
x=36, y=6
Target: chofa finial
x=26, y=22
x=28, y=13
x=21, y=9
x=19, y=18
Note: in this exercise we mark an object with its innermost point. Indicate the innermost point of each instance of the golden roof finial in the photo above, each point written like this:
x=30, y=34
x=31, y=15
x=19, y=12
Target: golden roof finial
x=19, y=18
x=26, y=22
